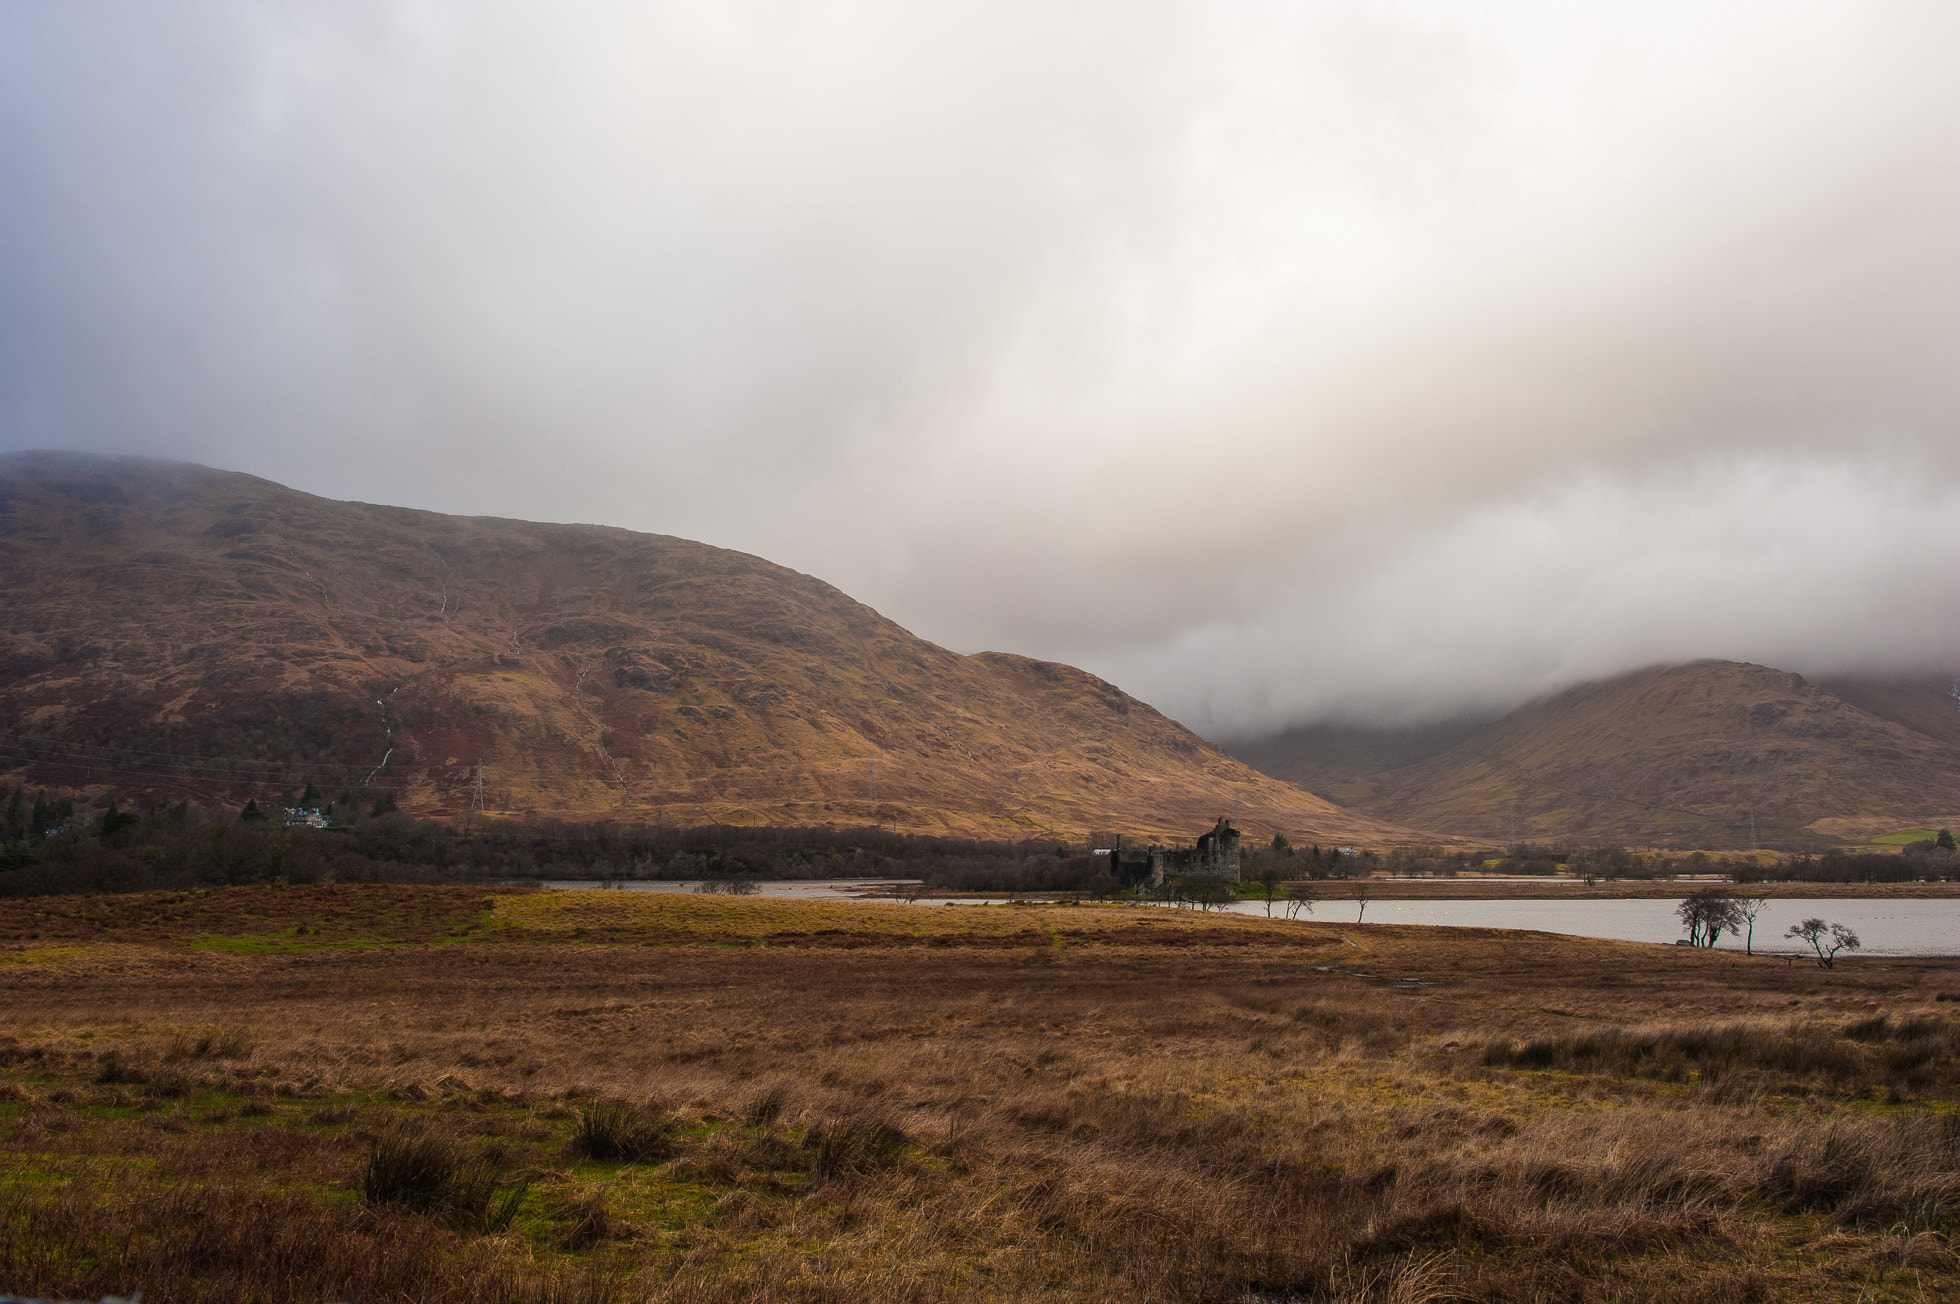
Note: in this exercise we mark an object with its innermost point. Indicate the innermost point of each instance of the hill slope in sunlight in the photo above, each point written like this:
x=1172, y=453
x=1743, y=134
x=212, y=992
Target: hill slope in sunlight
x=177, y=631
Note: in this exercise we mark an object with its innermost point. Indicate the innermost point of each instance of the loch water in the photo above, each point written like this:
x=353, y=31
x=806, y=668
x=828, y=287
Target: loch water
x=1887, y=926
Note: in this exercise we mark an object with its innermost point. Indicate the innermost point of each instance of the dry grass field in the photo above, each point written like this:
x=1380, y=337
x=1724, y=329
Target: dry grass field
x=398, y=1094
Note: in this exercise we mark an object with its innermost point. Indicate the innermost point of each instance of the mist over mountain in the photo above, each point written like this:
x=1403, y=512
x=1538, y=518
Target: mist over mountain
x=1313, y=363
x=1710, y=754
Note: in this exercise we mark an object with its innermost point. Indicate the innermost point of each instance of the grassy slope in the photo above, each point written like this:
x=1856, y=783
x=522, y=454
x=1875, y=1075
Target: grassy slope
x=1678, y=756
x=918, y=1103
x=211, y=630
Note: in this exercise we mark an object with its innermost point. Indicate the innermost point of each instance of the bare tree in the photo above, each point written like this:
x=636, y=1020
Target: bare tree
x=1361, y=895
x=1269, y=880
x=1826, y=939
x=1208, y=892
x=1301, y=896
x=1746, y=909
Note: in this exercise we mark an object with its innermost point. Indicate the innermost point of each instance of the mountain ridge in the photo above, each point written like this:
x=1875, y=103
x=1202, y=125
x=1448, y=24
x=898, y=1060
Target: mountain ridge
x=1707, y=753
x=176, y=629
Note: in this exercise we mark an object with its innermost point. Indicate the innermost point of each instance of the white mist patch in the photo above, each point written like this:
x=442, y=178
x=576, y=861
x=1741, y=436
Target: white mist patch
x=1811, y=566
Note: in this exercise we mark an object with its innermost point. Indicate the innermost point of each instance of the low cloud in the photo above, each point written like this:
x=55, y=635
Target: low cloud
x=1816, y=566
x=1279, y=362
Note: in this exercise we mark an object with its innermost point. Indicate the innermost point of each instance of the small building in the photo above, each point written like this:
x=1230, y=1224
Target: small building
x=1213, y=855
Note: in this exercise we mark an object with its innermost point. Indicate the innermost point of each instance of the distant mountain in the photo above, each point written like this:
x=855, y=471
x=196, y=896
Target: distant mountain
x=177, y=631
x=1338, y=761
x=1682, y=756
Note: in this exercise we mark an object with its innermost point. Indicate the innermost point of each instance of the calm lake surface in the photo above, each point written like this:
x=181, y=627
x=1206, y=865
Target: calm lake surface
x=1886, y=926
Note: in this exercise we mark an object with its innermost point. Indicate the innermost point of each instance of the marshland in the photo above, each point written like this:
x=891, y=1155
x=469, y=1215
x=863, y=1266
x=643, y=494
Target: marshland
x=433, y=1093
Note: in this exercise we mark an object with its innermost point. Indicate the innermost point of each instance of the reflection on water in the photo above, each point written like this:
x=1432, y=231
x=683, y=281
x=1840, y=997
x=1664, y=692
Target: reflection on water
x=1886, y=926
x=829, y=889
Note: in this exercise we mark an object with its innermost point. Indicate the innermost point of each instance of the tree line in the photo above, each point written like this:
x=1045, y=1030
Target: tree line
x=54, y=841
x=60, y=842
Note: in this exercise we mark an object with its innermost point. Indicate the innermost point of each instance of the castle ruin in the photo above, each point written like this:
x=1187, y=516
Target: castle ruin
x=1213, y=855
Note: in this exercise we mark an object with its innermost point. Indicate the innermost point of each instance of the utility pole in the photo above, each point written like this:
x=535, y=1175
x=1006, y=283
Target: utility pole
x=476, y=789
x=1753, y=844
x=874, y=778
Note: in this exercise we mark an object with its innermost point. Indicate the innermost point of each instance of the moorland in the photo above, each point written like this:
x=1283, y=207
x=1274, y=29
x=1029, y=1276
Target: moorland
x=394, y=1093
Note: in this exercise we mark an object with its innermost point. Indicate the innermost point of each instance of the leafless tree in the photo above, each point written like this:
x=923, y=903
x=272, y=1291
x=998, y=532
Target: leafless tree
x=1746, y=909
x=1301, y=896
x=1269, y=880
x=1361, y=895
x=1826, y=939
x=1206, y=892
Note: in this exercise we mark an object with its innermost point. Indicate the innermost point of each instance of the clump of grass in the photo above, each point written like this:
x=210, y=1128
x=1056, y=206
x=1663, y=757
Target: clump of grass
x=619, y=1132
x=224, y=1043
x=1912, y=1027
x=113, y=1070
x=584, y=1221
x=1376, y=1030
x=165, y=1083
x=852, y=1144
x=427, y=1173
x=1675, y=1053
x=1869, y=1172
x=765, y=1107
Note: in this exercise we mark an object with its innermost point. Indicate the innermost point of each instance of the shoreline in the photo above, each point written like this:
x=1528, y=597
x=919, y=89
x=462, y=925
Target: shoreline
x=1542, y=890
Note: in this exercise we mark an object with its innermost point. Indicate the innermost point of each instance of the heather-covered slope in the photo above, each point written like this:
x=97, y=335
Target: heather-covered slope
x=1680, y=755
x=174, y=630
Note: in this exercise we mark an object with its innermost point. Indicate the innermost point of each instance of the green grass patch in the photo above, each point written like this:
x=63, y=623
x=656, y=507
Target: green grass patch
x=1905, y=836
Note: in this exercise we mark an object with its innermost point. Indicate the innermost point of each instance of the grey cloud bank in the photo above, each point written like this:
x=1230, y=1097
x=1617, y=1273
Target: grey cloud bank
x=1280, y=362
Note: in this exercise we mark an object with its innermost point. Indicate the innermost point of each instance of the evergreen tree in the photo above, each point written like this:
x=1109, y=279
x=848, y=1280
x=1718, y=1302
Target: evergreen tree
x=251, y=813
x=1945, y=839
x=48, y=817
x=115, y=821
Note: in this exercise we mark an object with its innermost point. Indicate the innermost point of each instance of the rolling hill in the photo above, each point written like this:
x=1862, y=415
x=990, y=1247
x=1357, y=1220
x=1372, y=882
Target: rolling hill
x=177, y=631
x=1682, y=756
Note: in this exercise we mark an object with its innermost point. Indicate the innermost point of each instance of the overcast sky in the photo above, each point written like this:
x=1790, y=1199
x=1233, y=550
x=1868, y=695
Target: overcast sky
x=1280, y=362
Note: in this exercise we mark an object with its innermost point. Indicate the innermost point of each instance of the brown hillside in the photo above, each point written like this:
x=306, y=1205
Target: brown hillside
x=1670, y=756
x=174, y=630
